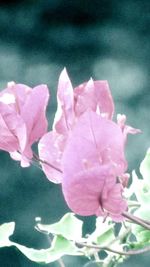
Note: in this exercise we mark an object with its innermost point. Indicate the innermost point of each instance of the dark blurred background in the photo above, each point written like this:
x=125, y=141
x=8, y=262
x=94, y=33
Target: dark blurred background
x=103, y=39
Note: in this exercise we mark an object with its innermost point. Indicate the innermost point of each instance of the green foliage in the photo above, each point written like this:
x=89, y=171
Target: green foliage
x=59, y=247
x=6, y=230
x=145, y=167
x=69, y=227
x=142, y=235
x=67, y=236
x=141, y=189
x=67, y=232
x=104, y=232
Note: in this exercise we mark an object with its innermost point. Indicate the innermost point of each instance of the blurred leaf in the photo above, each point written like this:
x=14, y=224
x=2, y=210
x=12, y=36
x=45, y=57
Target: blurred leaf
x=141, y=189
x=6, y=230
x=69, y=227
x=142, y=235
x=130, y=192
x=145, y=167
x=104, y=232
x=93, y=264
x=60, y=247
x=39, y=256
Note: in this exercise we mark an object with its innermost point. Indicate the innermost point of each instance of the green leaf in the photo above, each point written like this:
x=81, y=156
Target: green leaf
x=60, y=247
x=39, y=256
x=104, y=232
x=141, y=189
x=145, y=167
x=142, y=235
x=93, y=264
x=6, y=230
x=69, y=227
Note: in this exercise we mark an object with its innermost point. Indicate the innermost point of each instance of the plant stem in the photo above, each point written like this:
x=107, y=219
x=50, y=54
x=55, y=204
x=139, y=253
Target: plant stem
x=36, y=158
x=137, y=220
x=110, y=261
x=121, y=237
x=125, y=253
x=61, y=263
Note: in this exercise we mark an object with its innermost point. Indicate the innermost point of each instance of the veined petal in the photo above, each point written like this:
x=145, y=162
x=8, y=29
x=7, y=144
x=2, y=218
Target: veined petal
x=15, y=125
x=8, y=141
x=20, y=93
x=33, y=113
x=94, y=192
x=64, y=116
x=83, y=190
x=115, y=204
x=50, y=148
x=94, y=95
x=94, y=141
x=92, y=160
x=22, y=119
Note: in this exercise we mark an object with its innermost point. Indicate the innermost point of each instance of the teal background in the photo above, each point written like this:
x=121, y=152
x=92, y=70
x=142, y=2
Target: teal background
x=103, y=39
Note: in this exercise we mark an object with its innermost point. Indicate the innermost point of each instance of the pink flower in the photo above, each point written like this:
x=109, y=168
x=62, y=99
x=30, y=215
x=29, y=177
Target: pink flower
x=22, y=119
x=85, y=149
x=93, y=95
x=92, y=160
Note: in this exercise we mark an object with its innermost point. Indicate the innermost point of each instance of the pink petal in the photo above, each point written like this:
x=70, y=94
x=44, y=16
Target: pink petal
x=22, y=119
x=94, y=95
x=82, y=192
x=115, y=204
x=33, y=113
x=94, y=141
x=50, y=148
x=85, y=195
x=8, y=141
x=14, y=124
x=19, y=157
x=93, y=157
x=20, y=92
x=64, y=115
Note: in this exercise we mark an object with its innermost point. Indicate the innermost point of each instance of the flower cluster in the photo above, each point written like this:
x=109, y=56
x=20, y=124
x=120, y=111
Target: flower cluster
x=84, y=151
x=22, y=119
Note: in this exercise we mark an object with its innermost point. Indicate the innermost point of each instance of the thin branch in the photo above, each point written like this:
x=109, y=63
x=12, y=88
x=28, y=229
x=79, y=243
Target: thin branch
x=35, y=163
x=97, y=247
x=137, y=220
x=121, y=237
x=61, y=263
x=133, y=205
x=125, y=253
x=119, y=252
x=36, y=158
